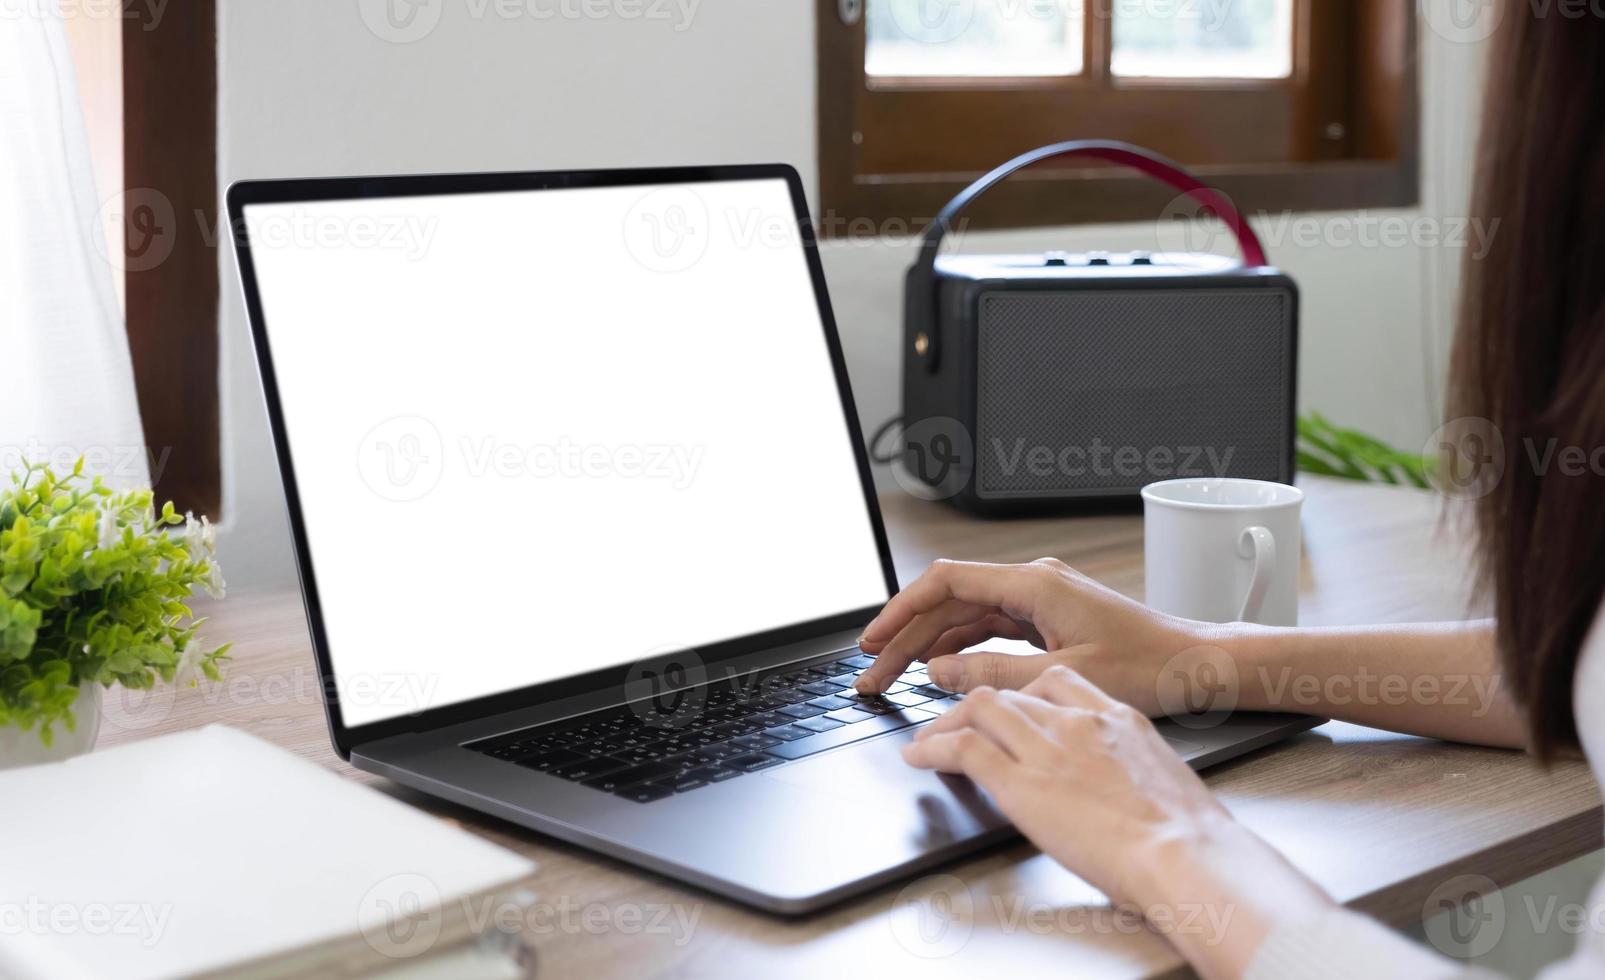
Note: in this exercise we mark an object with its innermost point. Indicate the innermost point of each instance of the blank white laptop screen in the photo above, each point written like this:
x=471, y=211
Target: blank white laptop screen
x=539, y=433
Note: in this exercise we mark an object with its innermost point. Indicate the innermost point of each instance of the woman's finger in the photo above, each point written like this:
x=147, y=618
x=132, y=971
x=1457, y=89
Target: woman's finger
x=994, y=627
x=1014, y=589
x=966, y=672
x=967, y=753
x=914, y=641
x=1064, y=686
x=1010, y=718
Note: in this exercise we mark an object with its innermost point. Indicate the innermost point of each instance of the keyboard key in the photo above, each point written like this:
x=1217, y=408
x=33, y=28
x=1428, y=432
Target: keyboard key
x=859, y=662
x=691, y=760
x=850, y=716
x=636, y=757
x=788, y=733
x=907, y=699
x=552, y=759
x=850, y=733
x=845, y=680
x=589, y=768
x=801, y=711
x=831, y=703
x=633, y=775
x=933, y=692
x=608, y=782
x=820, y=724
x=713, y=774
x=875, y=705
x=751, y=763
x=683, y=783
x=821, y=688
x=722, y=750
x=940, y=707
x=754, y=743
x=730, y=729
x=646, y=793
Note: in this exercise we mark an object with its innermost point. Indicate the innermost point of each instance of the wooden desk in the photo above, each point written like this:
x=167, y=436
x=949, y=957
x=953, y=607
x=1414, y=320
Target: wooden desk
x=1378, y=819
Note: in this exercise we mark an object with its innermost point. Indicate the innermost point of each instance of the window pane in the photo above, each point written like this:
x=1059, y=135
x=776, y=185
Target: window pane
x=1203, y=39
x=974, y=38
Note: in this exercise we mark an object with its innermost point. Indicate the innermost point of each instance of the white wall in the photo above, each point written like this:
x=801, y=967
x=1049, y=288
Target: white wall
x=306, y=87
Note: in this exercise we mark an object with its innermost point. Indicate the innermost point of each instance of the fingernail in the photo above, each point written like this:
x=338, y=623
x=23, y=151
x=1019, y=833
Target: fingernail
x=946, y=673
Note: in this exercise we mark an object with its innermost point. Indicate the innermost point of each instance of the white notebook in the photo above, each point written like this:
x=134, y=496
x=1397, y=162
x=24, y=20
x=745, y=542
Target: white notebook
x=214, y=852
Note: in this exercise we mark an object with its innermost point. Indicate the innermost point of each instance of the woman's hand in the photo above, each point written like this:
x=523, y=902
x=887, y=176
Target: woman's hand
x=1116, y=642
x=1091, y=782
x=1086, y=777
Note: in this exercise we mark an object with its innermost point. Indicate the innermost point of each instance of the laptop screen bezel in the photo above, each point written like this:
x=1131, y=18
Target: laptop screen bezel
x=244, y=194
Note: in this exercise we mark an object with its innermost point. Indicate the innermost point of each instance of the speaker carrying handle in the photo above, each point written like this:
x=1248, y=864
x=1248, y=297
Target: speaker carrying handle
x=920, y=297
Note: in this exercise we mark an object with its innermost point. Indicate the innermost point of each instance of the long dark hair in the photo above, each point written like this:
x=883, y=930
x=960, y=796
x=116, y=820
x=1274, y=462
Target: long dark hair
x=1530, y=354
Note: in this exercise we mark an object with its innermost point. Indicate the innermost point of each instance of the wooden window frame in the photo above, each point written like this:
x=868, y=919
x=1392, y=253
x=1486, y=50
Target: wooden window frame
x=898, y=149
x=169, y=144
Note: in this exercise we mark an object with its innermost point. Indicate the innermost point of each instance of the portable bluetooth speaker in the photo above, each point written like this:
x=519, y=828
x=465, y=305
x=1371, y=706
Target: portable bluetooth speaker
x=1055, y=380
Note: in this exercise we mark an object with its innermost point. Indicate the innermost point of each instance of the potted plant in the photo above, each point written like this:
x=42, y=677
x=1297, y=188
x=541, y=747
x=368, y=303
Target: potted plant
x=93, y=591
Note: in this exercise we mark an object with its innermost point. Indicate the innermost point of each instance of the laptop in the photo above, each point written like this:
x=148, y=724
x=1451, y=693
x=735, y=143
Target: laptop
x=584, y=523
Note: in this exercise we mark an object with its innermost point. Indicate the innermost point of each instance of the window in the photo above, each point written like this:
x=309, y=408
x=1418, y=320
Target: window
x=1284, y=104
x=149, y=84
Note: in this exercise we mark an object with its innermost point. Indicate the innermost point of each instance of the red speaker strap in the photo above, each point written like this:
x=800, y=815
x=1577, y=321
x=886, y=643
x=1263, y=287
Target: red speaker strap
x=1134, y=157
x=919, y=301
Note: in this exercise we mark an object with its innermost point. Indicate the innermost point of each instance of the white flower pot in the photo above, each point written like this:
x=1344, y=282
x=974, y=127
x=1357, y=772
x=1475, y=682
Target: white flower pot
x=20, y=748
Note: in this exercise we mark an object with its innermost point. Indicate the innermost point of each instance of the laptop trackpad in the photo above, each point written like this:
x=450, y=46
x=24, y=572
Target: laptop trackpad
x=870, y=770
x=873, y=774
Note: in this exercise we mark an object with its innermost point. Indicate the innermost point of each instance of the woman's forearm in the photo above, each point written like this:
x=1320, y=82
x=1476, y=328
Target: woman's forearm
x=1439, y=679
x=1220, y=890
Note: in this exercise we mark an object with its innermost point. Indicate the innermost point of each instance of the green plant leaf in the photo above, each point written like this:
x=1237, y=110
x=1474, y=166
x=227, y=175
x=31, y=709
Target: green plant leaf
x=1329, y=450
x=93, y=589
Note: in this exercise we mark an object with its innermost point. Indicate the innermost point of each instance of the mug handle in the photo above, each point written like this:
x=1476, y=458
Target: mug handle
x=1259, y=544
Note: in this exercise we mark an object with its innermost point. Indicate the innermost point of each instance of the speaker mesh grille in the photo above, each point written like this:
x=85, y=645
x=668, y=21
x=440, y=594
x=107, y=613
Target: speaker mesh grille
x=1104, y=392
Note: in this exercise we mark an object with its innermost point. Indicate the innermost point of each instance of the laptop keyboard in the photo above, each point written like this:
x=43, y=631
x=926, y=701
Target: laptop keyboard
x=650, y=750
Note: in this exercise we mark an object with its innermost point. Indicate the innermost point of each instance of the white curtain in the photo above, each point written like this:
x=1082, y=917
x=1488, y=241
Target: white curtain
x=66, y=381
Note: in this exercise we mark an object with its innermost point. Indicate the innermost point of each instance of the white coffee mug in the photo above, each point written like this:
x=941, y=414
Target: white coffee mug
x=1223, y=551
